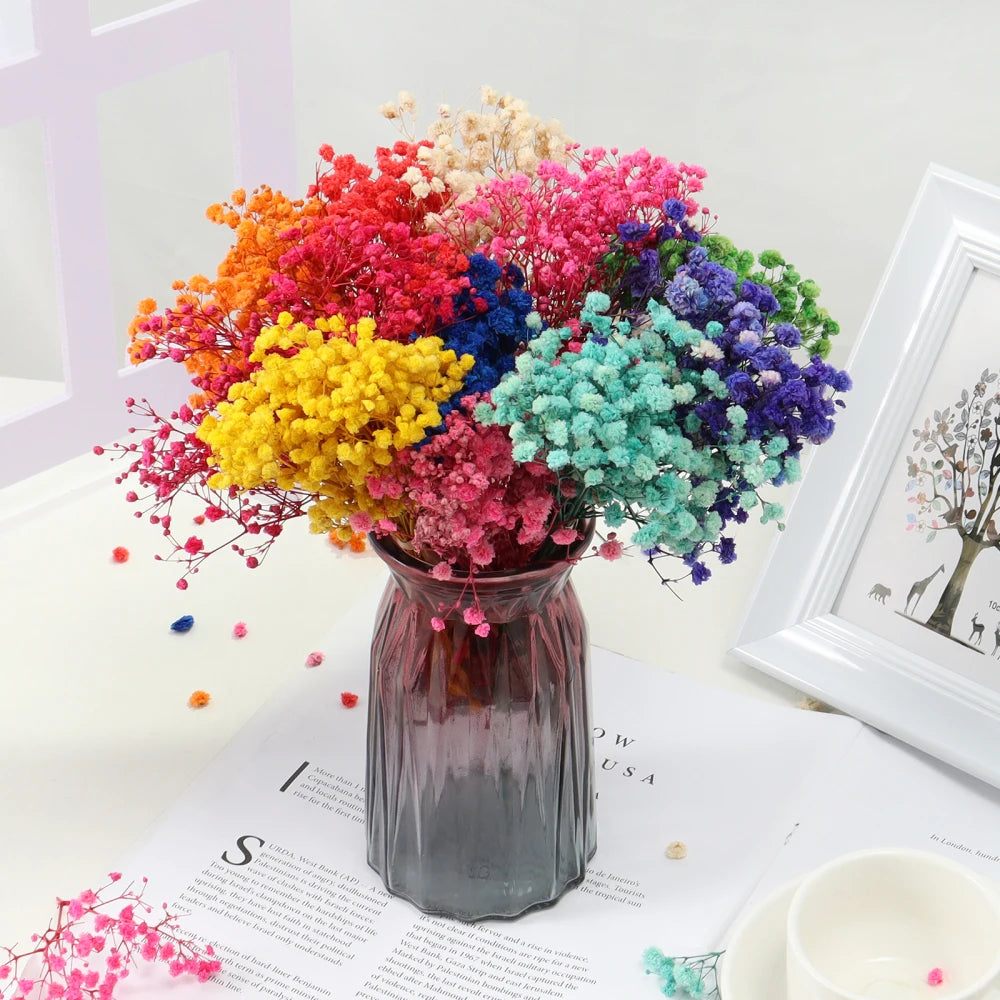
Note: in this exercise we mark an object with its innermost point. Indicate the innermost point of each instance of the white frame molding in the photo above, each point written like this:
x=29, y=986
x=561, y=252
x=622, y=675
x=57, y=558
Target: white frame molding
x=790, y=630
x=60, y=83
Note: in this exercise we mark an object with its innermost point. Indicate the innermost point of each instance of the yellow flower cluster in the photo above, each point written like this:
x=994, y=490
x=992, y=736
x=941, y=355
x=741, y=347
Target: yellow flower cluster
x=331, y=414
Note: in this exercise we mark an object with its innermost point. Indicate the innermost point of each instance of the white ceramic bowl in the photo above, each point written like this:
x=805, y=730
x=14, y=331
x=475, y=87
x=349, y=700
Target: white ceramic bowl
x=753, y=966
x=872, y=925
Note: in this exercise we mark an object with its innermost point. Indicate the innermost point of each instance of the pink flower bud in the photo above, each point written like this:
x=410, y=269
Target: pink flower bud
x=565, y=536
x=360, y=521
x=610, y=550
x=473, y=616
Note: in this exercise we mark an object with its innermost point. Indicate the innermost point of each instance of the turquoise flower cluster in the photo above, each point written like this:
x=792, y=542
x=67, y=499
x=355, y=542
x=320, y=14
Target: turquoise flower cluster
x=619, y=417
x=694, y=976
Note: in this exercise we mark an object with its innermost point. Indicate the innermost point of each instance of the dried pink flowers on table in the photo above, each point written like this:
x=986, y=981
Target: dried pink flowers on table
x=94, y=942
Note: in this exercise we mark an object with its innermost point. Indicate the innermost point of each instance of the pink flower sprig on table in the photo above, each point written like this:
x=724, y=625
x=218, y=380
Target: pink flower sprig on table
x=169, y=461
x=95, y=941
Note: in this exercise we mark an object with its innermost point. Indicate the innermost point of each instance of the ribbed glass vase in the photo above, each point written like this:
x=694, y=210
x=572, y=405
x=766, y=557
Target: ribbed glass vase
x=480, y=799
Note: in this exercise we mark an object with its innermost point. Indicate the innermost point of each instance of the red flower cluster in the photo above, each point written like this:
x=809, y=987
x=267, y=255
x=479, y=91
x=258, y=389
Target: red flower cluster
x=372, y=252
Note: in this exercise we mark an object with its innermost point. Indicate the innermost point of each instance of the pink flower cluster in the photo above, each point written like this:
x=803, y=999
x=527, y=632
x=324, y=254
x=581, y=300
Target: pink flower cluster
x=558, y=227
x=88, y=926
x=475, y=508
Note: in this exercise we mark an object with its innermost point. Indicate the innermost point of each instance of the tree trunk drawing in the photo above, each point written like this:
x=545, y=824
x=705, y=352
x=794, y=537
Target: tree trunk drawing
x=942, y=616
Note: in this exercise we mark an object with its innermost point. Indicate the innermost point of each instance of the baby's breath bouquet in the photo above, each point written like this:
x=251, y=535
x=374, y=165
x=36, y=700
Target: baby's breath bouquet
x=477, y=344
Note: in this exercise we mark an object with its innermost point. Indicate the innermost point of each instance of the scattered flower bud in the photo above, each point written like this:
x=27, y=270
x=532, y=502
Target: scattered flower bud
x=199, y=699
x=183, y=624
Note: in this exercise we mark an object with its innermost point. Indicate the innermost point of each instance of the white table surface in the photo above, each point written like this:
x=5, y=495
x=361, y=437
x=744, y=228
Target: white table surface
x=97, y=738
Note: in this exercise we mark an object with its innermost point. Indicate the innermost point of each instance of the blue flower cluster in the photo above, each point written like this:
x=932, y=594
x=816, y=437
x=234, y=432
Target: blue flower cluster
x=490, y=325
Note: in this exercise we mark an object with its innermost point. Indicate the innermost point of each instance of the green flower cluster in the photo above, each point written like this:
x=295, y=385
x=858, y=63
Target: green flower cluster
x=619, y=417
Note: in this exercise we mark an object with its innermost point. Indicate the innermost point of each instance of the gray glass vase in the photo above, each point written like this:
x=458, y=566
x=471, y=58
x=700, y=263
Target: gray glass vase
x=480, y=779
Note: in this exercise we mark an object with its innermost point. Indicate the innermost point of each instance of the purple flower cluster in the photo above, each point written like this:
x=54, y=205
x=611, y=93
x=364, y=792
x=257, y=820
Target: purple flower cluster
x=786, y=403
x=781, y=398
x=701, y=290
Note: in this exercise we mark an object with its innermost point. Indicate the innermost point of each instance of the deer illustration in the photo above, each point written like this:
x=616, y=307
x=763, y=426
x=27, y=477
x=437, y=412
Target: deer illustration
x=917, y=590
x=977, y=629
x=996, y=640
x=880, y=592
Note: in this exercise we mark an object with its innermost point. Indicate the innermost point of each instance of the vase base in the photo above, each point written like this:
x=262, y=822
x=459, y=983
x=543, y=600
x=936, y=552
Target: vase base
x=441, y=908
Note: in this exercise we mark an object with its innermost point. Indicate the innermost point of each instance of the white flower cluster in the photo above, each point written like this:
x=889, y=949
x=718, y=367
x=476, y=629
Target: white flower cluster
x=709, y=350
x=419, y=184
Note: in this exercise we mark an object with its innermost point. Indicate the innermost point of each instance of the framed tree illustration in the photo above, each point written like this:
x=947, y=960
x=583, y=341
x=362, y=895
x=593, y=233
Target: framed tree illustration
x=954, y=480
x=882, y=596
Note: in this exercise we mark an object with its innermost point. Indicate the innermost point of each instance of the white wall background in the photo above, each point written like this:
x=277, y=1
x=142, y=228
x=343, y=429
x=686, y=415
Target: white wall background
x=815, y=121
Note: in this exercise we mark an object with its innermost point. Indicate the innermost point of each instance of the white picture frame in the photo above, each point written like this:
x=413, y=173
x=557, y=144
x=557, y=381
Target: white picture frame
x=808, y=622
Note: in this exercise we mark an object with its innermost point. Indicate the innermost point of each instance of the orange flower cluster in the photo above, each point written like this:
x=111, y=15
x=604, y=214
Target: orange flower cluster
x=355, y=542
x=213, y=324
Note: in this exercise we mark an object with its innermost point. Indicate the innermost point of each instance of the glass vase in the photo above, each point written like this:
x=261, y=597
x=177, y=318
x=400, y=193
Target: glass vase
x=480, y=797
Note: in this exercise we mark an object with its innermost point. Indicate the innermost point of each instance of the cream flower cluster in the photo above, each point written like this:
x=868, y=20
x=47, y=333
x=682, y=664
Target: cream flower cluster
x=471, y=147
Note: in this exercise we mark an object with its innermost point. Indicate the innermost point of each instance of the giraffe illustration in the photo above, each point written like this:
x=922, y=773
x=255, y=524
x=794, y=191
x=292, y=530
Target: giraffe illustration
x=917, y=590
x=977, y=629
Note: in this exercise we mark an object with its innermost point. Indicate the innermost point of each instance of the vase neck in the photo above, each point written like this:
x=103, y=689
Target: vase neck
x=500, y=595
